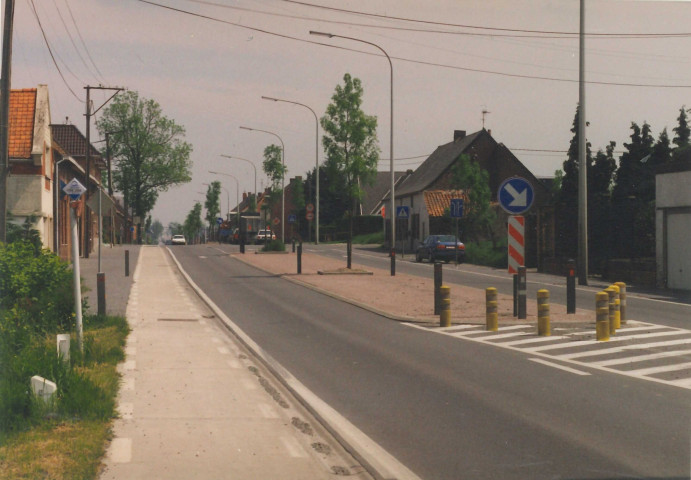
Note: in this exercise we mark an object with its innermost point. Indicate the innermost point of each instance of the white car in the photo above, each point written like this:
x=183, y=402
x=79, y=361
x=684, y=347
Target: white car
x=178, y=240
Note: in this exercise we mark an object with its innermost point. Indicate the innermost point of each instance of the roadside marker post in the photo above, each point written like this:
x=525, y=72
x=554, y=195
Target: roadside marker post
x=571, y=287
x=492, y=310
x=437, y=287
x=543, y=320
x=522, y=291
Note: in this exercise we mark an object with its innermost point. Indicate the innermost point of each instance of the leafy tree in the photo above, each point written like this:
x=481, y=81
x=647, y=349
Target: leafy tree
x=478, y=216
x=600, y=179
x=567, y=199
x=274, y=169
x=682, y=131
x=156, y=230
x=350, y=143
x=175, y=228
x=148, y=148
x=193, y=223
x=213, y=203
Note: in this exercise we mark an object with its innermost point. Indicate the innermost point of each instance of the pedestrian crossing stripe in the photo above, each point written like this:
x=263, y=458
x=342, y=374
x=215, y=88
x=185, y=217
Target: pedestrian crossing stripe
x=672, y=368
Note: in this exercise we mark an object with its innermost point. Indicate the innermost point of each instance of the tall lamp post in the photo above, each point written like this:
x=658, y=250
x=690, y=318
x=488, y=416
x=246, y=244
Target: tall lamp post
x=256, y=199
x=393, y=179
x=316, y=156
x=237, y=192
x=283, y=178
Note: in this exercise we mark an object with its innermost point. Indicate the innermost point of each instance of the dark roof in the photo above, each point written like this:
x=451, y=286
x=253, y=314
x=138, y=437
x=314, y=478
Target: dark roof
x=436, y=164
x=373, y=194
x=73, y=142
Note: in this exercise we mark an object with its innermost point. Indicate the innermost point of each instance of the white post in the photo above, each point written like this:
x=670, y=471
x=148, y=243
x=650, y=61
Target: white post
x=77, y=280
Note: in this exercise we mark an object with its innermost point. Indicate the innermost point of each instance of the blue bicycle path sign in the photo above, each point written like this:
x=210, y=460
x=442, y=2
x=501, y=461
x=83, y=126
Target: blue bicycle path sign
x=516, y=195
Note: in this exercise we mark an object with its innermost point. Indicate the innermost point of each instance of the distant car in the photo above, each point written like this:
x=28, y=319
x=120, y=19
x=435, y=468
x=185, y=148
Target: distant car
x=178, y=240
x=440, y=247
x=264, y=235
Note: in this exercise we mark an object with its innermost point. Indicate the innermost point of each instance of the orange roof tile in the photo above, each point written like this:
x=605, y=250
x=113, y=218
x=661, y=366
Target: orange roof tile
x=22, y=114
x=437, y=201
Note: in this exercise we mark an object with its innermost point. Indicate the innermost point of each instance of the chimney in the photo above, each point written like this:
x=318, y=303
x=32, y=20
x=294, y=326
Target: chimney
x=244, y=196
x=458, y=135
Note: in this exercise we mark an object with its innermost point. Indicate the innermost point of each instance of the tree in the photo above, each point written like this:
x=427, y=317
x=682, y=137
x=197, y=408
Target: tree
x=193, y=223
x=478, y=216
x=682, y=131
x=156, y=231
x=148, y=148
x=600, y=178
x=274, y=169
x=350, y=144
x=212, y=203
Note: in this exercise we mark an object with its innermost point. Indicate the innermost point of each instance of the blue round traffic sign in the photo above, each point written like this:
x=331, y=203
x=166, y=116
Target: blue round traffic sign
x=516, y=195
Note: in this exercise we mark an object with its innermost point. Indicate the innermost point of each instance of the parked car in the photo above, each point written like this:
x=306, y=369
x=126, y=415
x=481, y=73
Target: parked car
x=440, y=247
x=264, y=235
x=178, y=240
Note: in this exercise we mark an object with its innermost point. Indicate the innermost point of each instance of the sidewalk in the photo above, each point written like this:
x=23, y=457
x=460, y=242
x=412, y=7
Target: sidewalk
x=194, y=404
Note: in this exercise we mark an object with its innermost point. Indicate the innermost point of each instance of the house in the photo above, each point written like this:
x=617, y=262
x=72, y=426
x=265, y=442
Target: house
x=673, y=224
x=374, y=194
x=71, y=147
x=424, y=191
x=30, y=184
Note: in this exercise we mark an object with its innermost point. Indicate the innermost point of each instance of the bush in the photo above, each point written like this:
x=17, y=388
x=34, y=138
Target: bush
x=485, y=253
x=274, y=246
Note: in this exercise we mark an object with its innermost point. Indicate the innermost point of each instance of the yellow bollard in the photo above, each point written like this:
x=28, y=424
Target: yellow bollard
x=612, y=315
x=622, y=302
x=492, y=309
x=543, y=326
x=602, y=316
x=445, y=312
x=617, y=312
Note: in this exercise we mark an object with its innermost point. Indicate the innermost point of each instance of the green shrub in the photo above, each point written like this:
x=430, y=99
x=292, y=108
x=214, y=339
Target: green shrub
x=274, y=246
x=369, y=239
x=488, y=254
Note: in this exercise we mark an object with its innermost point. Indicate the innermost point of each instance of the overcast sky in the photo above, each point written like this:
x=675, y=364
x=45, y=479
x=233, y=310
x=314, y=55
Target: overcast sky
x=458, y=58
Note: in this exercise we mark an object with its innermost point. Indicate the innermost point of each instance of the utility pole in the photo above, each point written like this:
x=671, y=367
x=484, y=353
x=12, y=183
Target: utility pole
x=89, y=114
x=582, y=161
x=5, y=85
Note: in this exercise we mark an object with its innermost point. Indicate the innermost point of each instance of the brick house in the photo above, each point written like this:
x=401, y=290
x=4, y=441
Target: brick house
x=430, y=185
x=30, y=181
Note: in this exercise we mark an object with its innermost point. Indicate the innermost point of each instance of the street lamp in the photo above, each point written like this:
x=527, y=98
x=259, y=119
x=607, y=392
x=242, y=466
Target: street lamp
x=316, y=156
x=283, y=178
x=255, y=173
x=393, y=180
x=237, y=192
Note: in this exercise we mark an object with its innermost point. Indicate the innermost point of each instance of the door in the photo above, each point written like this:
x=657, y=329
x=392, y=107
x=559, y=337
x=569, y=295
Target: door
x=678, y=253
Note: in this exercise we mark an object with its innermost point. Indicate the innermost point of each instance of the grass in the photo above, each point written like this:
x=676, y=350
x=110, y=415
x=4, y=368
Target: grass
x=69, y=444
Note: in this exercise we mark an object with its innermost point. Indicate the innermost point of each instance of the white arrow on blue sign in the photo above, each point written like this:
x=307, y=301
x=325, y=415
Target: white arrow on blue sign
x=292, y=218
x=456, y=208
x=74, y=189
x=516, y=195
x=403, y=212
x=219, y=220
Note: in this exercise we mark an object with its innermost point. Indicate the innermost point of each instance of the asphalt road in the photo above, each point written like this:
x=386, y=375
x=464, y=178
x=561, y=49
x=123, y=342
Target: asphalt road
x=449, y=409
x=657, y=306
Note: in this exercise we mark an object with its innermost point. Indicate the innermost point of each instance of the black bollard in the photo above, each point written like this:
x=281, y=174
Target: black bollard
x=571, y=287
x=127, y=263
x=101, y=292
x=522, y=291
x=515, y=295
x=300, y=258
x=437, y=287
x=393, y=262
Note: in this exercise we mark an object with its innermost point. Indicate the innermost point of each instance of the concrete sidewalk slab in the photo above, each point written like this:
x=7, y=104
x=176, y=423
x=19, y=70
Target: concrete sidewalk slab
x=194, y=404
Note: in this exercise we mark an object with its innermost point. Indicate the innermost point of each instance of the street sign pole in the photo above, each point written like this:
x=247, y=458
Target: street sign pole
x=75, y=190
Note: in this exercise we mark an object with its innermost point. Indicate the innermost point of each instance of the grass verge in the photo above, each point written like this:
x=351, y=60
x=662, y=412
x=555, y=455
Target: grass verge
x=69, y=443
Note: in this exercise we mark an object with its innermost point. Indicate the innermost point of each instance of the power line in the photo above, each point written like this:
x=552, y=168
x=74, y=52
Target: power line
x=79, y=34
x=516, y=30
x=408, y=60
x=67, y=30
x=45, y=39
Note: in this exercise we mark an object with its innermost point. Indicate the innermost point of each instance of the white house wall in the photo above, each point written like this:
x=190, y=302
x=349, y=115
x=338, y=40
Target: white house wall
x=673, y=229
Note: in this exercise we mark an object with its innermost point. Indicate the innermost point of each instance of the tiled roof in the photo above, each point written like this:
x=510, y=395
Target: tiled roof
x=72, y=141
x=374, y=193
x=437, y=201
x=22, y=114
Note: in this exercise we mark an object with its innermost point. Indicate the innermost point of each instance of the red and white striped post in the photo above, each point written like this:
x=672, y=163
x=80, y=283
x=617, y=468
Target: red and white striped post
x=516, y=243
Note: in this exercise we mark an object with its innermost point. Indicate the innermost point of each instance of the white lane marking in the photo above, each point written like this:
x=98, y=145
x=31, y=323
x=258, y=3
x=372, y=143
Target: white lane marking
x=458, y=327
x=579, y=343
x=653, y=335
x=534, y=340
x=645, y=327
x=267, y=410
x=560, y=367
x=294, y=449
x=684, y=383
x=120, y=450
x=641, y=358
x=506, y=335
x=662, y=369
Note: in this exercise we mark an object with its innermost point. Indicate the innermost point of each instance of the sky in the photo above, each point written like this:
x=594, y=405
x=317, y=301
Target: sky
x=451, y=60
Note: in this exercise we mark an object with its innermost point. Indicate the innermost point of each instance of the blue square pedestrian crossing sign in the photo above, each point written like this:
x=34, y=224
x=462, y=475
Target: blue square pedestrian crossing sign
x=403, y=212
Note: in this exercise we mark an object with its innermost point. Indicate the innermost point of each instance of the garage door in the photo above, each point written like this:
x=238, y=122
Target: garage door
x=678, y=251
